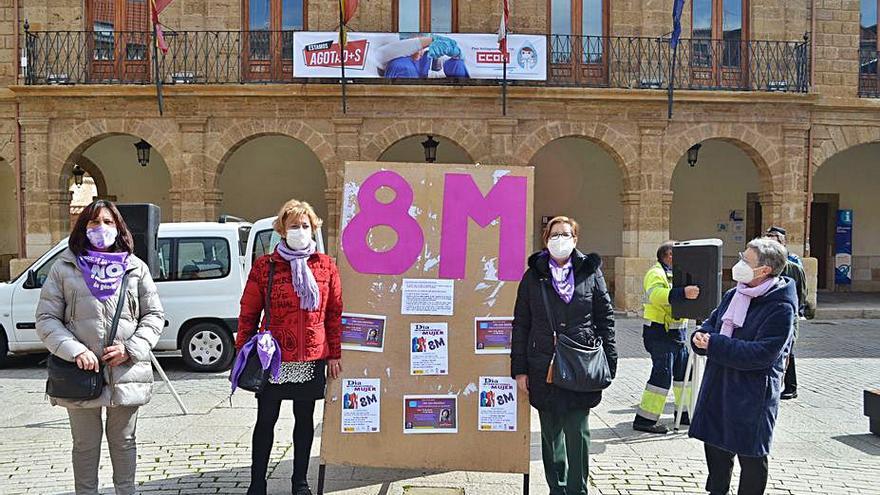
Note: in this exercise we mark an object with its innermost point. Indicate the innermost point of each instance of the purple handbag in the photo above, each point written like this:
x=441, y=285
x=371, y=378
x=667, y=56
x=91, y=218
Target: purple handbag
x=260, y=356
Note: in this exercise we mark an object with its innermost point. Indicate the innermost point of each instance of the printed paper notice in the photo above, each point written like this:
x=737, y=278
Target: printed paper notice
x=430, y=414
x=429, y=352
x=497, y=410
x=363, y=332
x=360, y=405
x=427, y=296
x=493, y=335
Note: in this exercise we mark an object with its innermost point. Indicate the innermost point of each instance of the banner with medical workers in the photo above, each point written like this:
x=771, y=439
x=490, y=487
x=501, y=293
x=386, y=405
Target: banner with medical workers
x=419, y=56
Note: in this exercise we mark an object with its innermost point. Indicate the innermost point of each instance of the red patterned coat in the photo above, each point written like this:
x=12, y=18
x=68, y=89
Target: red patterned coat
x=303, y=335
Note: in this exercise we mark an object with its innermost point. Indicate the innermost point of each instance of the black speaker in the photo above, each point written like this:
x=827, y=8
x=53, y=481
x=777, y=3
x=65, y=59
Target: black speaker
x=143, y=222
x=697, y=263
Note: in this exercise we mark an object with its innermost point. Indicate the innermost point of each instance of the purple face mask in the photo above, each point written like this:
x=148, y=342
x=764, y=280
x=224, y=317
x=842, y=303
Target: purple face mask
x=101, y=236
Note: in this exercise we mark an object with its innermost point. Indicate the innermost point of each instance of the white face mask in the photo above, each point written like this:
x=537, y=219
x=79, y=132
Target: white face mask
x=743, y=273
x=561, y=248
x=299, y=239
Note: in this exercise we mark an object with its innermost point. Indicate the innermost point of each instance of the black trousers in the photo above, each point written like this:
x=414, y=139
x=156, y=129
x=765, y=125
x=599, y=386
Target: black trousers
x=268, y=409
x=752, y=479
x=790, y=379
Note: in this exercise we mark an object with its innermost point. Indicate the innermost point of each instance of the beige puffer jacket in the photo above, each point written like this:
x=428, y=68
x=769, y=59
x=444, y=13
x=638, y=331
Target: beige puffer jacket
x=70, y=320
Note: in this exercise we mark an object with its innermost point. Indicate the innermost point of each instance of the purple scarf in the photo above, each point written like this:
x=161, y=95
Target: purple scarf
x=268, y=352
x=739, y=305
x=303, y=279
x=102, y=272
x=563, y=279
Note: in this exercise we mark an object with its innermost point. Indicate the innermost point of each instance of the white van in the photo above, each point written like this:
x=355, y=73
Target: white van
x=203, y=268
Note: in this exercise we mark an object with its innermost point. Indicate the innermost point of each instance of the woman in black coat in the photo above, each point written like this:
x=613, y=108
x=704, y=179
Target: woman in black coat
x=582, y=310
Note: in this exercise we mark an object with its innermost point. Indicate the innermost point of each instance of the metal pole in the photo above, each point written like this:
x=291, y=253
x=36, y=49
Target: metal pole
x=342, y=43
x=159, y=96
x=322, y=474
x=168, y=382
x=672, y=80
x=504, y=82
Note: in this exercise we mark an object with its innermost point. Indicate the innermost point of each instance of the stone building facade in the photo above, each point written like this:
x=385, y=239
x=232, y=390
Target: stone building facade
x=787, y=137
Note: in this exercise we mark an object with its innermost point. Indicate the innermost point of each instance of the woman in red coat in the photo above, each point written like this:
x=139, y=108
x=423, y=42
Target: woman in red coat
x=306, y=320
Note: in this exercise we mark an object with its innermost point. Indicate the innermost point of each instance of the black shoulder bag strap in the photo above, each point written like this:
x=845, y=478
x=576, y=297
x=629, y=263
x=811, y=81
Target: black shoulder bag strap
x=268, y=303
x=114, y=326
x=543, y=283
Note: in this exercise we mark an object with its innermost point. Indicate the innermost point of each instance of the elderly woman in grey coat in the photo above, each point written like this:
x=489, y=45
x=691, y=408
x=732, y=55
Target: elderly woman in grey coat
x=74, y=316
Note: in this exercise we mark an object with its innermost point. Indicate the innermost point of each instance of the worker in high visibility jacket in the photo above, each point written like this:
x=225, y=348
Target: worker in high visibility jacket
x=665, y=339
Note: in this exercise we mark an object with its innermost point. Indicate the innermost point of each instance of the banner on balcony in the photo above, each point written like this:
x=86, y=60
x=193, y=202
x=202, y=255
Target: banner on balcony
x=426, y=56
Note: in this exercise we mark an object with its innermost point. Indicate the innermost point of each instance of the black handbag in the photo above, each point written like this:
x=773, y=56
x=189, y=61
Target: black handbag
x=253, y=377
x=575, y=366
x=67, y=381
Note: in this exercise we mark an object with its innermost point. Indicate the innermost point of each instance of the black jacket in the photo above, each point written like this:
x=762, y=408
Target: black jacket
x=589, y=314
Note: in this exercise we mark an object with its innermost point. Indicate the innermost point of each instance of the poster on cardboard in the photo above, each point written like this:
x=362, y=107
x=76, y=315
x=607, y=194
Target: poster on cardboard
x=497, y=406
x=430, y=414
x=361, y=405
x=361, y=332
x=429, y=349
x=493, y=335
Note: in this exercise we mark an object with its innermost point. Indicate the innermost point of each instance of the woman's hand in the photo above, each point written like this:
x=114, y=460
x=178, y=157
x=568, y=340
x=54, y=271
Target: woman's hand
x=87, y=361
x=701, y=340
x=335, y=368
x=523, y=382
x=115, y=355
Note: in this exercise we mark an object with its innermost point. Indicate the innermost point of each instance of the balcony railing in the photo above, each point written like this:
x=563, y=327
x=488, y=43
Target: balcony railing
x=227, y=57
x=869, y=75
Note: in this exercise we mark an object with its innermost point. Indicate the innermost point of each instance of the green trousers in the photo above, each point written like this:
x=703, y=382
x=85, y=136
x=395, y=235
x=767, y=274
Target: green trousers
x=565, y=448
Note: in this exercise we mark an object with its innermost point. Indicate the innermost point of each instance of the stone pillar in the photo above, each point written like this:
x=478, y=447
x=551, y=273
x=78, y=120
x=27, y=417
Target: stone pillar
x=646, y=207
x=347, y=131
x=213, y=200
x=38, y=225
x=188, y=194
x=771, y=206
x=501, y=132
x=792, y=185
x=59, y=213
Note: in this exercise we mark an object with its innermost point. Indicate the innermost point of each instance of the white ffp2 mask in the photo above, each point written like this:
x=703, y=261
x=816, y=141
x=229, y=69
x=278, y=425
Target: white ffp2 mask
x=299, y=239
x=742, y=272
x=561, y=248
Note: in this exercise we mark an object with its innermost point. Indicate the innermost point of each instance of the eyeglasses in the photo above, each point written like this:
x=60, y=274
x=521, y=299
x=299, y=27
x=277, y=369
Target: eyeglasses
x=561, y=235
x=742, y=257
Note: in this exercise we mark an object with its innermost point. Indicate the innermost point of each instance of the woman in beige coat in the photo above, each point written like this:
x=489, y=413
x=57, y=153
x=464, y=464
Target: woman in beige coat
x=74, y=316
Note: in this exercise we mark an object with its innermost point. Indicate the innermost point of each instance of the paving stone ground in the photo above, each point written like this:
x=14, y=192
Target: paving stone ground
x=822, y=444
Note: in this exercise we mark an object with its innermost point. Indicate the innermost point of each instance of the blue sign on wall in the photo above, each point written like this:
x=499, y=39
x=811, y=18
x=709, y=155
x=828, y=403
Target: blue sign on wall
x=843, y=248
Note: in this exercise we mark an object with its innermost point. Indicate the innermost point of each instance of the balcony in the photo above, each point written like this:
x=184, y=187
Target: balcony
x=869, y=75
x=242, y=57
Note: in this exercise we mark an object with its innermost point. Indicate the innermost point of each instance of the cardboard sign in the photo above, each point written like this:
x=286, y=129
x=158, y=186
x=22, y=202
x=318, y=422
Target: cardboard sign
x=451, y=240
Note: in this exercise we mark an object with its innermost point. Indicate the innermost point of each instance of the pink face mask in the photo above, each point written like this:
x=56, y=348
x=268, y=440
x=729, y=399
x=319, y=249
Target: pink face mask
x=102, y=236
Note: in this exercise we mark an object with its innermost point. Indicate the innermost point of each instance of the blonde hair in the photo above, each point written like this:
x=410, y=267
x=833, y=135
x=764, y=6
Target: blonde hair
x=575, y=228
x=295, y=208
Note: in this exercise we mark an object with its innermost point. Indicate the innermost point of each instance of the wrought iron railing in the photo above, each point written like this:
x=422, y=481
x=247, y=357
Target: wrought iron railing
x=869, y=73
x=224, y=57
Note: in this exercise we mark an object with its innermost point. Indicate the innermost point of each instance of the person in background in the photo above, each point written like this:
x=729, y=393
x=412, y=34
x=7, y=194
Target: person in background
x=582, y=310
x=665, y=338
x=795, y=271
x=306, y=320
x=746, y=341
x=72, y=321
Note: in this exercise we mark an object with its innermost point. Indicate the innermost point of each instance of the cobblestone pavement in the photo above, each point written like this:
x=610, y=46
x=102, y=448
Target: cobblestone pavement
x=821, y=446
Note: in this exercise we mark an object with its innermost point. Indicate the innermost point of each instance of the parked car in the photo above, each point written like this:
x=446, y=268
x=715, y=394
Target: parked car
x=202, y=272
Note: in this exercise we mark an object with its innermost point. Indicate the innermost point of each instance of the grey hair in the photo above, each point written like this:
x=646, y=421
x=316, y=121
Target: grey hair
x=770, y=253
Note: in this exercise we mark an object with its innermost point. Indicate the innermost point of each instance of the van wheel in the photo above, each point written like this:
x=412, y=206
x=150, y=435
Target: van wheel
x=4, y=349
x=207, y=347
